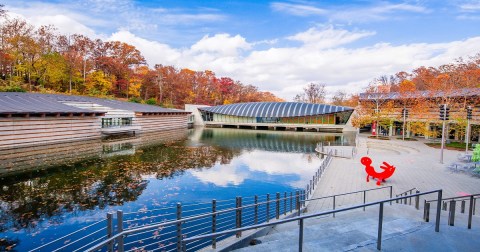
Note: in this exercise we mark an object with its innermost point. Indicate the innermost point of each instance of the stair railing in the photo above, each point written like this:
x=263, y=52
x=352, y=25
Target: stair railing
x=334, y=197
x=301, y=219
x=407, y=192
x=452, y=203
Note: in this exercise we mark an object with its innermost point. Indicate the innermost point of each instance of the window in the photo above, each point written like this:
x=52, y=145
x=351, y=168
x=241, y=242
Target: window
x=116, y=122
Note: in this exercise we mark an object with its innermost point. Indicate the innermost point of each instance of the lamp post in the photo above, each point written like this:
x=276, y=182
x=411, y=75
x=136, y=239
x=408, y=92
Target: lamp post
x=444, y=115
x=469, y=117
x=405, y=115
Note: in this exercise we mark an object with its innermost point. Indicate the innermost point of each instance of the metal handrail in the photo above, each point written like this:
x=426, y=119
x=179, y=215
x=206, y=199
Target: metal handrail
x=174, y=222
x=458, y=197
x=67, y=235
x=410, y=191
x=301, y=218
x=342, y=194
x=451, y=215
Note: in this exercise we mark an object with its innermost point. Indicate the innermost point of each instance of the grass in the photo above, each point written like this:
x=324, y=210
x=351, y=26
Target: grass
x=379, y=137
x=450, y=146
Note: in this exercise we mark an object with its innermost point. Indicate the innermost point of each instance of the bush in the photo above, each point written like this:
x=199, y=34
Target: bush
x=151, y=101
x=11, y=86
x=476, y=153
x=135, y=100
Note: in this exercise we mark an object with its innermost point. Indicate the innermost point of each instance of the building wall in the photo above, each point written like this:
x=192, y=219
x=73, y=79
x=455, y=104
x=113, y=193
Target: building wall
x=161, y=122
x=320, y=119
x=29, y=131
x=198, y=121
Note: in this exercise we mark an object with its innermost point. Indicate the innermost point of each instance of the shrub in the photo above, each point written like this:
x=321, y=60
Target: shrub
x=476, y=153
x=151, y=101
x=135, y=100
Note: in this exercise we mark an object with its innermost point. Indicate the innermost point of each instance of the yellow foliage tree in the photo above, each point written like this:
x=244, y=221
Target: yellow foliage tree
x=98, y=84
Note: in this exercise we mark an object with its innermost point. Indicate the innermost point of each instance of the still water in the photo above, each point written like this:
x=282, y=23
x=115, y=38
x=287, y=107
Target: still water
x=49, y=191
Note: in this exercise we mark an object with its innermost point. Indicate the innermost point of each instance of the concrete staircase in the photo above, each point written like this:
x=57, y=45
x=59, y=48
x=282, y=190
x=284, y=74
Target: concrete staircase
x=403, y=230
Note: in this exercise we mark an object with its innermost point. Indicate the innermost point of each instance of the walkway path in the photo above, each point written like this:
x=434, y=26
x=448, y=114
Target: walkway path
x=417, y=165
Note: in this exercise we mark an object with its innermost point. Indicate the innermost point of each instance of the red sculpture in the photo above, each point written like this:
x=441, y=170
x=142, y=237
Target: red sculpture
x=380, y=176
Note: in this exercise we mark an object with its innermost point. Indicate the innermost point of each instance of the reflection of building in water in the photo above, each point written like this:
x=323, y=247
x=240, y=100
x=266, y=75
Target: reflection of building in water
x=19, y=160
x=26, y=159
x=296, y=116
x=273, y=140
x=28, y=119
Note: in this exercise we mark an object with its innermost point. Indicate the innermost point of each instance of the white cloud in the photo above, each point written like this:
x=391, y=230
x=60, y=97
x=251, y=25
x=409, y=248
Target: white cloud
x=472, y=6
x=328, y=37
x=297, y=9
x=64, y=24
x=286, y=70
x=349, y=13
x=275, y=163
x=222, y=175
x=220, y=45
x=153, y=51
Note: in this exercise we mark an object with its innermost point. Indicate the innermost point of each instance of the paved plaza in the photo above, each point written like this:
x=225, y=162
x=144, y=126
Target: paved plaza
x=417, y=166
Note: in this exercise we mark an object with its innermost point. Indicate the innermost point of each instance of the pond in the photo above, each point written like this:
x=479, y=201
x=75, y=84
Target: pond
x=49, y=191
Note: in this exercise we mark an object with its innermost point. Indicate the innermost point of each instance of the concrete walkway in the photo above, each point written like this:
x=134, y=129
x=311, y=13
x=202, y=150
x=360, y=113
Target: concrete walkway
x=403, y=229
x=417, y=165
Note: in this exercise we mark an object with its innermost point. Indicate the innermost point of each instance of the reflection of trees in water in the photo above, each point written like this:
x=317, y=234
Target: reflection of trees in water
x=29, y=198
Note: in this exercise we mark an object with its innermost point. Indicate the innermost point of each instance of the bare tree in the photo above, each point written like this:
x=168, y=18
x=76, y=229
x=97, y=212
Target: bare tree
x=313, y=93
x=340, y=98
x=2, y=11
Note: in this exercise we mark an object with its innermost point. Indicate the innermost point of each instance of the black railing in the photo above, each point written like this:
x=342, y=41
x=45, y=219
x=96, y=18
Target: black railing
x=334, y=197
x=307, y=216
x=407, y=192
x=472, y=199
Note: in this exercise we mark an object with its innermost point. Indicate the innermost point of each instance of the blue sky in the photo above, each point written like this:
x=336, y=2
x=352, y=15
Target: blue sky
x=279, y=46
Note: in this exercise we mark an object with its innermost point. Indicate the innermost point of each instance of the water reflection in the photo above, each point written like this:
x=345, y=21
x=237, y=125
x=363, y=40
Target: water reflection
x=42, y=187
x=55, y=188
x=274, y=141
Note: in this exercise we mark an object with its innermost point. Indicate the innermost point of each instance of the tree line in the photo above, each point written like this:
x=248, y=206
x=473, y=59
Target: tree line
x=40, y=59
x=420, y=92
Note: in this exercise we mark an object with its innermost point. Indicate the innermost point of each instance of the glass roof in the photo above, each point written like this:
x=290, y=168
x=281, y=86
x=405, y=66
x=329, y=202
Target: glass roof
x=275, y=109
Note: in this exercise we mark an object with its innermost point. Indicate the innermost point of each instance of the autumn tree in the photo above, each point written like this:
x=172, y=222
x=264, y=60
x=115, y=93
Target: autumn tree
x=312, y=93
x=47, y=61
x=98, y=83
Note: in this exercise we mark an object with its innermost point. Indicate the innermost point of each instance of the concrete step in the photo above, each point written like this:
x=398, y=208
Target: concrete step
x=357, y=230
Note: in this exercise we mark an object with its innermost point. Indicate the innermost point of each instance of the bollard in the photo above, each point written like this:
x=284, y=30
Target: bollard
x=444, y=206
x=462, y=207
x=451, y=213
x=426, y=216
